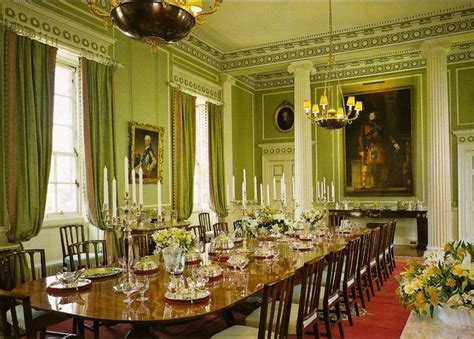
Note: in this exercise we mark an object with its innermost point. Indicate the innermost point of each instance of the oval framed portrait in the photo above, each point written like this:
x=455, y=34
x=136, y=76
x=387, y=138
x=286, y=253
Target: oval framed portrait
x=285, y=117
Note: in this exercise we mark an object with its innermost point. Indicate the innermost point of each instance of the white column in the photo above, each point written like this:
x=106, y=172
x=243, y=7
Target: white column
x=227, y=83
x=303, y=144
x=439, y=171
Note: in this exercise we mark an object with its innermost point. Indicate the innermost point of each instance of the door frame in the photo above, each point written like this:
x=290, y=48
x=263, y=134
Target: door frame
x=275, y=152
x=465, y=140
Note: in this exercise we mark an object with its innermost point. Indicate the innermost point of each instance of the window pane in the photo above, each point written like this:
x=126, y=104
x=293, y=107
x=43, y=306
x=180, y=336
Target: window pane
x=66, y=198
x=51, y=199
x=62, y=110
x=62, y=80
x=62, y=139
x=52, y=171
x=66, y=168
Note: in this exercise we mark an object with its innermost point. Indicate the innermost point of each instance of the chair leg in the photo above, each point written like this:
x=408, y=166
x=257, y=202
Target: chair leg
x=354, y=298
x=361, y=291
x=339, y=319
x=347, y=303
x=316, y=330
x=367, y=286
x=371, y=281
x=327, y=322
x=96, y=329
x=42, y=333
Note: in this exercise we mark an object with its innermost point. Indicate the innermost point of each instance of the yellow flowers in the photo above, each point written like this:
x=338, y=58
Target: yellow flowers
x=420, y=301
x=459, y=270
x=180, y=237
x=461, y=252
x=451, y=282
x=433, y=295
x=471, y=274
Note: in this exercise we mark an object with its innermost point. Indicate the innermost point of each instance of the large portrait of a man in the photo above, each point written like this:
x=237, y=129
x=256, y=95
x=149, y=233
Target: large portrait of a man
x=147, y=151
x=378, y=145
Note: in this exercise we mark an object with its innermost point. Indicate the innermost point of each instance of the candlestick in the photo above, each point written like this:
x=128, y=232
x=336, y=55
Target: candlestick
x=244, y=177
x=158, y=189
x=134, y=187
x=262, y=200
x=244, y=195
x=274, y=188
x=140, y=186
x=255, y=193
x=114, y=198
x=268, y=195
x=233, y=188
x=106, y=189
x=126, y=174
x=318, y=193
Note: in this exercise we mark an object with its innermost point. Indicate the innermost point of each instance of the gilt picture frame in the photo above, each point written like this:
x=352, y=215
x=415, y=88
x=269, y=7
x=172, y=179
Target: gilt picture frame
x=378, y=156
x=285, y=117
x=146, y=151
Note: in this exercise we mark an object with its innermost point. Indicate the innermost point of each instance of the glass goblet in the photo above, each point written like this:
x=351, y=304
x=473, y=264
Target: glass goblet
x=144, y=284
x=128, y=288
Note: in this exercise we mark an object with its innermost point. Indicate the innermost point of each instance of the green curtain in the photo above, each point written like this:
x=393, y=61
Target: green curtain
x=216, y=160
x=99, y=141
x=184, y=135
x=27, y=133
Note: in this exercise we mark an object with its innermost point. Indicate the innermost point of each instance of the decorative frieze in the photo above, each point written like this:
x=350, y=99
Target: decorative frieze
x=193, y=84
x=464, y=136
x=278, y=148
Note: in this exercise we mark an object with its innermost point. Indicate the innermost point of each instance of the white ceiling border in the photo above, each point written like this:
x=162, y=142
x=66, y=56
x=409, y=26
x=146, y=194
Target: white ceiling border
x=193, y=84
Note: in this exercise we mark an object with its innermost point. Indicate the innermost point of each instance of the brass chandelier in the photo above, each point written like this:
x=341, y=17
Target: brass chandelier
x=155, y=22
x=326, y=114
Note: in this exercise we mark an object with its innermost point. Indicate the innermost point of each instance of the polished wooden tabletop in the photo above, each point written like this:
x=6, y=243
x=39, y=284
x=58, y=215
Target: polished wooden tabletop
x=99, y=302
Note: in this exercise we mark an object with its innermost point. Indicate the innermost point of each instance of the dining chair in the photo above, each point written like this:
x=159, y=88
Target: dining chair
x=237, y=224
x=331, y=298
x=88, y=254
x=391, y=253
x=274, y=315
x=205, y=221
x=374, y=272
x=70, y=234
x=141, y=245
x=364, y=284
x=381, y=259
x=335, y=220
x=200, y=235
x=349, y=278
x=220, y=227
x=20, y=267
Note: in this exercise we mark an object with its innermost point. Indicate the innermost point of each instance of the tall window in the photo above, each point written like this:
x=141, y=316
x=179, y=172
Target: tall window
x=201, y=170
x=63, y=190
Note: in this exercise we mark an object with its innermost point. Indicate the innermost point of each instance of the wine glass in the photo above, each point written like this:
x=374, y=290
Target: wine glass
x=144, y=284
x=128, y=288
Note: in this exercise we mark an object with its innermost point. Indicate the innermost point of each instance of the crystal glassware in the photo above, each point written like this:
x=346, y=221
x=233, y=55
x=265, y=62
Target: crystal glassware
x=144, y=284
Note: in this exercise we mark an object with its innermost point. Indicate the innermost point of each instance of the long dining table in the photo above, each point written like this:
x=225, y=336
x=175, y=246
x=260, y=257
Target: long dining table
x=100, y=303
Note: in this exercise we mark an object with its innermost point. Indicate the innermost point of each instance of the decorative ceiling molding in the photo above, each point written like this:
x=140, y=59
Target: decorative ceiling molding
x=391, y=33
x=30, y=19
x=195, y=85
x=360, y=67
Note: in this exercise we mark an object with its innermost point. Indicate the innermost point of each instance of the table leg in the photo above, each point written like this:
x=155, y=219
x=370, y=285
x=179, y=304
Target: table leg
x=422, y=230
x=140, y=331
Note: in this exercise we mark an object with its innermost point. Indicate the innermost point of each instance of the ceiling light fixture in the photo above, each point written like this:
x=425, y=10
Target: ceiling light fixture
x=325, y=114
x=155, y=22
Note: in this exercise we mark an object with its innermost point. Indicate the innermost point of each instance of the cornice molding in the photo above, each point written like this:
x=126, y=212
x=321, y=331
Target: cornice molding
x=464, y=136
x=30, y=19
x=278, y=148
x=195, y=85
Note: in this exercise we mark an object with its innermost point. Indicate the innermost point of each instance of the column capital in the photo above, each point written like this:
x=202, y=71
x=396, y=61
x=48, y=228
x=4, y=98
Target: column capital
x=304, y=65
x=435, y=44
x=227, y=78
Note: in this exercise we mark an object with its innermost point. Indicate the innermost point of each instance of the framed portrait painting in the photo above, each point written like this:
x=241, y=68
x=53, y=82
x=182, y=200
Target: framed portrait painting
x=147, y=151
x=378, y=145
x=285, y=117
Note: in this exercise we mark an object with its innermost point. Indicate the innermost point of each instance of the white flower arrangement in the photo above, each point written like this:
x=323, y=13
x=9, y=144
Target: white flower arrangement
x=177, y=236
x=312, y=216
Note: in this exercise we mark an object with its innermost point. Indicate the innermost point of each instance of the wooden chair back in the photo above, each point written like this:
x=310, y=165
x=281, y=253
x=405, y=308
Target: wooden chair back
x=9, y=302
x=21, y=266
x=335, y=220
x=70, y=234
x=220, y=227
x=276, y=308
x=393, y=227
x=384, y=237
x=199, y=234
x=374, y=244
x=312, y=274
x=88, y=254
x=237, y=224
x=335, y=261
x=205, y=220
x=364, y=251
x=351, y=260
x=141, y=245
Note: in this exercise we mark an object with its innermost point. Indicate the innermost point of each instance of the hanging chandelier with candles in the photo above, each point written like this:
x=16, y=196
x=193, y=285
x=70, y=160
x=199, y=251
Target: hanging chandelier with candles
x=155, y=22
x=326, y=114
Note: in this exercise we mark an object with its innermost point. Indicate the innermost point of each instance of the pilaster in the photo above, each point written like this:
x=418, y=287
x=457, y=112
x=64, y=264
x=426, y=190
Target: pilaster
x=303, y=144
x=439, y=170
x=227, y=83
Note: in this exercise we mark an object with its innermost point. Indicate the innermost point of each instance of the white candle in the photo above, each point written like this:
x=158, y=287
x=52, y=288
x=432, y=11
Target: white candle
x=268, y=195
x=114, y=198
x=244, y=195
x=282, y=186
x=140, y=186
x=255, y=193
x=233, y=188
x=134, y=187
x=324, y=187
x=227, y=194
x=293, y=187
x=158, y=189
x=274, y=188
x=106, y=190
x=318, y=192
x=244, y=177
x=126, y=175
x=332, y=191
x=262, y=200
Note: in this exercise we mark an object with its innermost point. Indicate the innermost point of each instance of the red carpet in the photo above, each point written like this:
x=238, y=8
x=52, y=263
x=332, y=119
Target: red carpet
x=385, y=318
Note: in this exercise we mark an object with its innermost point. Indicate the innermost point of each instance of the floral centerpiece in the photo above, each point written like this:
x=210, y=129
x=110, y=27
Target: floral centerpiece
x=445, y=280
x=266, y=223
x=185, y=240
x=312, y=217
